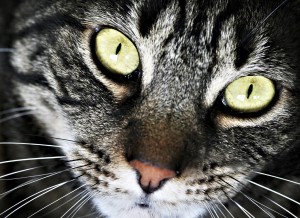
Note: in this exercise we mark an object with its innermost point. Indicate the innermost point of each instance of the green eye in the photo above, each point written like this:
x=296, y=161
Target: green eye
x=116, y=52
x=250, y=94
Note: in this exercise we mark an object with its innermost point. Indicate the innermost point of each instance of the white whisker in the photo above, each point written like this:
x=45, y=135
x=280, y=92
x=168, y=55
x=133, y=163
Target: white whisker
x=30, y=144
x=28, y=177
x=270, y=209
x=36, y=180
x=256, y=203
x=57, y=201
x=39, y=175
x=15, y=116
x=80, y=206
x=30, y=182
x=78, y=202
x=218, y=209
x=82, y=192
x=45, y=191
x=268, y=189
x=214, y=211
x=89, y=215
x=16, y=110
x=20, y=202
x=265, y=19
x=276, y=177
x=225, y=208
x=286, y=210
x=2, y=195
x=20, y=171
x=61, y=139
x=8, y=50
x=248, y=214
x=209, y=211
x=252, y=200
x=32, y=159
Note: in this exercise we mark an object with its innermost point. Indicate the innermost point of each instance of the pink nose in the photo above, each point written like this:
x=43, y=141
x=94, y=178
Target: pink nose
x=151, y=177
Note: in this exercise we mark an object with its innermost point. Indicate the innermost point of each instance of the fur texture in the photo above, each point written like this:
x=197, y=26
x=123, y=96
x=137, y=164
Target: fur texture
x=169, y=113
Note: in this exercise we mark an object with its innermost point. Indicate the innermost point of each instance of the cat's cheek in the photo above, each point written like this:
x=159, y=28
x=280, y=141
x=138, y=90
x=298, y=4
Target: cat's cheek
x=49, y=114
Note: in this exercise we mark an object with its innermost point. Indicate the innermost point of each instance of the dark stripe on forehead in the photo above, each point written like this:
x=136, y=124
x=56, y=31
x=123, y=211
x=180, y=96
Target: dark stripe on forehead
x=231, y=8
x=180, y=23
x=227, y=13
x=181, y=19
x=149, y=13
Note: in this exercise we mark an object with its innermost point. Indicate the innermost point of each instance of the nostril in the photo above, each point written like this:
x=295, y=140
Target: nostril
x=148, y=189
x=151, y=177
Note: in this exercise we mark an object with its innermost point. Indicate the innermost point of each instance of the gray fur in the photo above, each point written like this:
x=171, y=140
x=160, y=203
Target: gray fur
x=171, y=117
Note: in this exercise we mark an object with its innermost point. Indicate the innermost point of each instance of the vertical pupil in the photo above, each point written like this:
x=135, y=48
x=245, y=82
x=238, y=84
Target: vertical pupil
x=250, y=90
x=118, y=48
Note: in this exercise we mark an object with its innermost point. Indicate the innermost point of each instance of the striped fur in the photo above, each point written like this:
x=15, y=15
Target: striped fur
x=169, y=113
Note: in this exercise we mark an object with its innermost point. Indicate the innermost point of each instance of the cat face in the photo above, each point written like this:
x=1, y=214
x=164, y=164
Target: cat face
x=171, y=105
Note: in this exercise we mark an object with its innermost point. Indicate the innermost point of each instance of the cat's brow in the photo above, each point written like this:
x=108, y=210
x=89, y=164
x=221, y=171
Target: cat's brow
x=151, y=12
x=161, y=28
x=255, y=29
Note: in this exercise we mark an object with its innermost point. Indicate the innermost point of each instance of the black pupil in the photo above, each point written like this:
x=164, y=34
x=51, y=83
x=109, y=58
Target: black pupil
x=250, y=90
x=118, y=48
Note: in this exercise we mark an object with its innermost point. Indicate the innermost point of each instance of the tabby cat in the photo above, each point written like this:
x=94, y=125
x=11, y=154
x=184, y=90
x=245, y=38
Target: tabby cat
x=150, y=108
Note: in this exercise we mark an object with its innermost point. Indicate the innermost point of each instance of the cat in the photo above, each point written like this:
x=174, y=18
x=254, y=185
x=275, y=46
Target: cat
x=150, y=108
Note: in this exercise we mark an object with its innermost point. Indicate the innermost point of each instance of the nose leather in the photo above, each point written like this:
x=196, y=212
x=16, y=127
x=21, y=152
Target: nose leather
x=151, y=177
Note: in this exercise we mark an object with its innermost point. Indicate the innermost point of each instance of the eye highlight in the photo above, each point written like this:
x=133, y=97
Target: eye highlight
x=116, y=52
x=249, y=94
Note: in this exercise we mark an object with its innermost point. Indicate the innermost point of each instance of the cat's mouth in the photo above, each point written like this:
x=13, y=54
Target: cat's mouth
x=143, y=202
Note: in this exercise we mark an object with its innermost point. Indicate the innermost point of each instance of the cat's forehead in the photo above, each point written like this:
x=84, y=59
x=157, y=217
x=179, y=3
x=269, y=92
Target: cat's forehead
x=204, y=43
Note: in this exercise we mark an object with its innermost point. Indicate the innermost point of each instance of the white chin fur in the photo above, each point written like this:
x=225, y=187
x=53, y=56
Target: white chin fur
x=115, y=207
x=169, y=201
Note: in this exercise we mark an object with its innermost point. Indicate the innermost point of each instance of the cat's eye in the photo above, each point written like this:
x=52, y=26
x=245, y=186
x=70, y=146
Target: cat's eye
x=249, y=94
x=116, y=52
